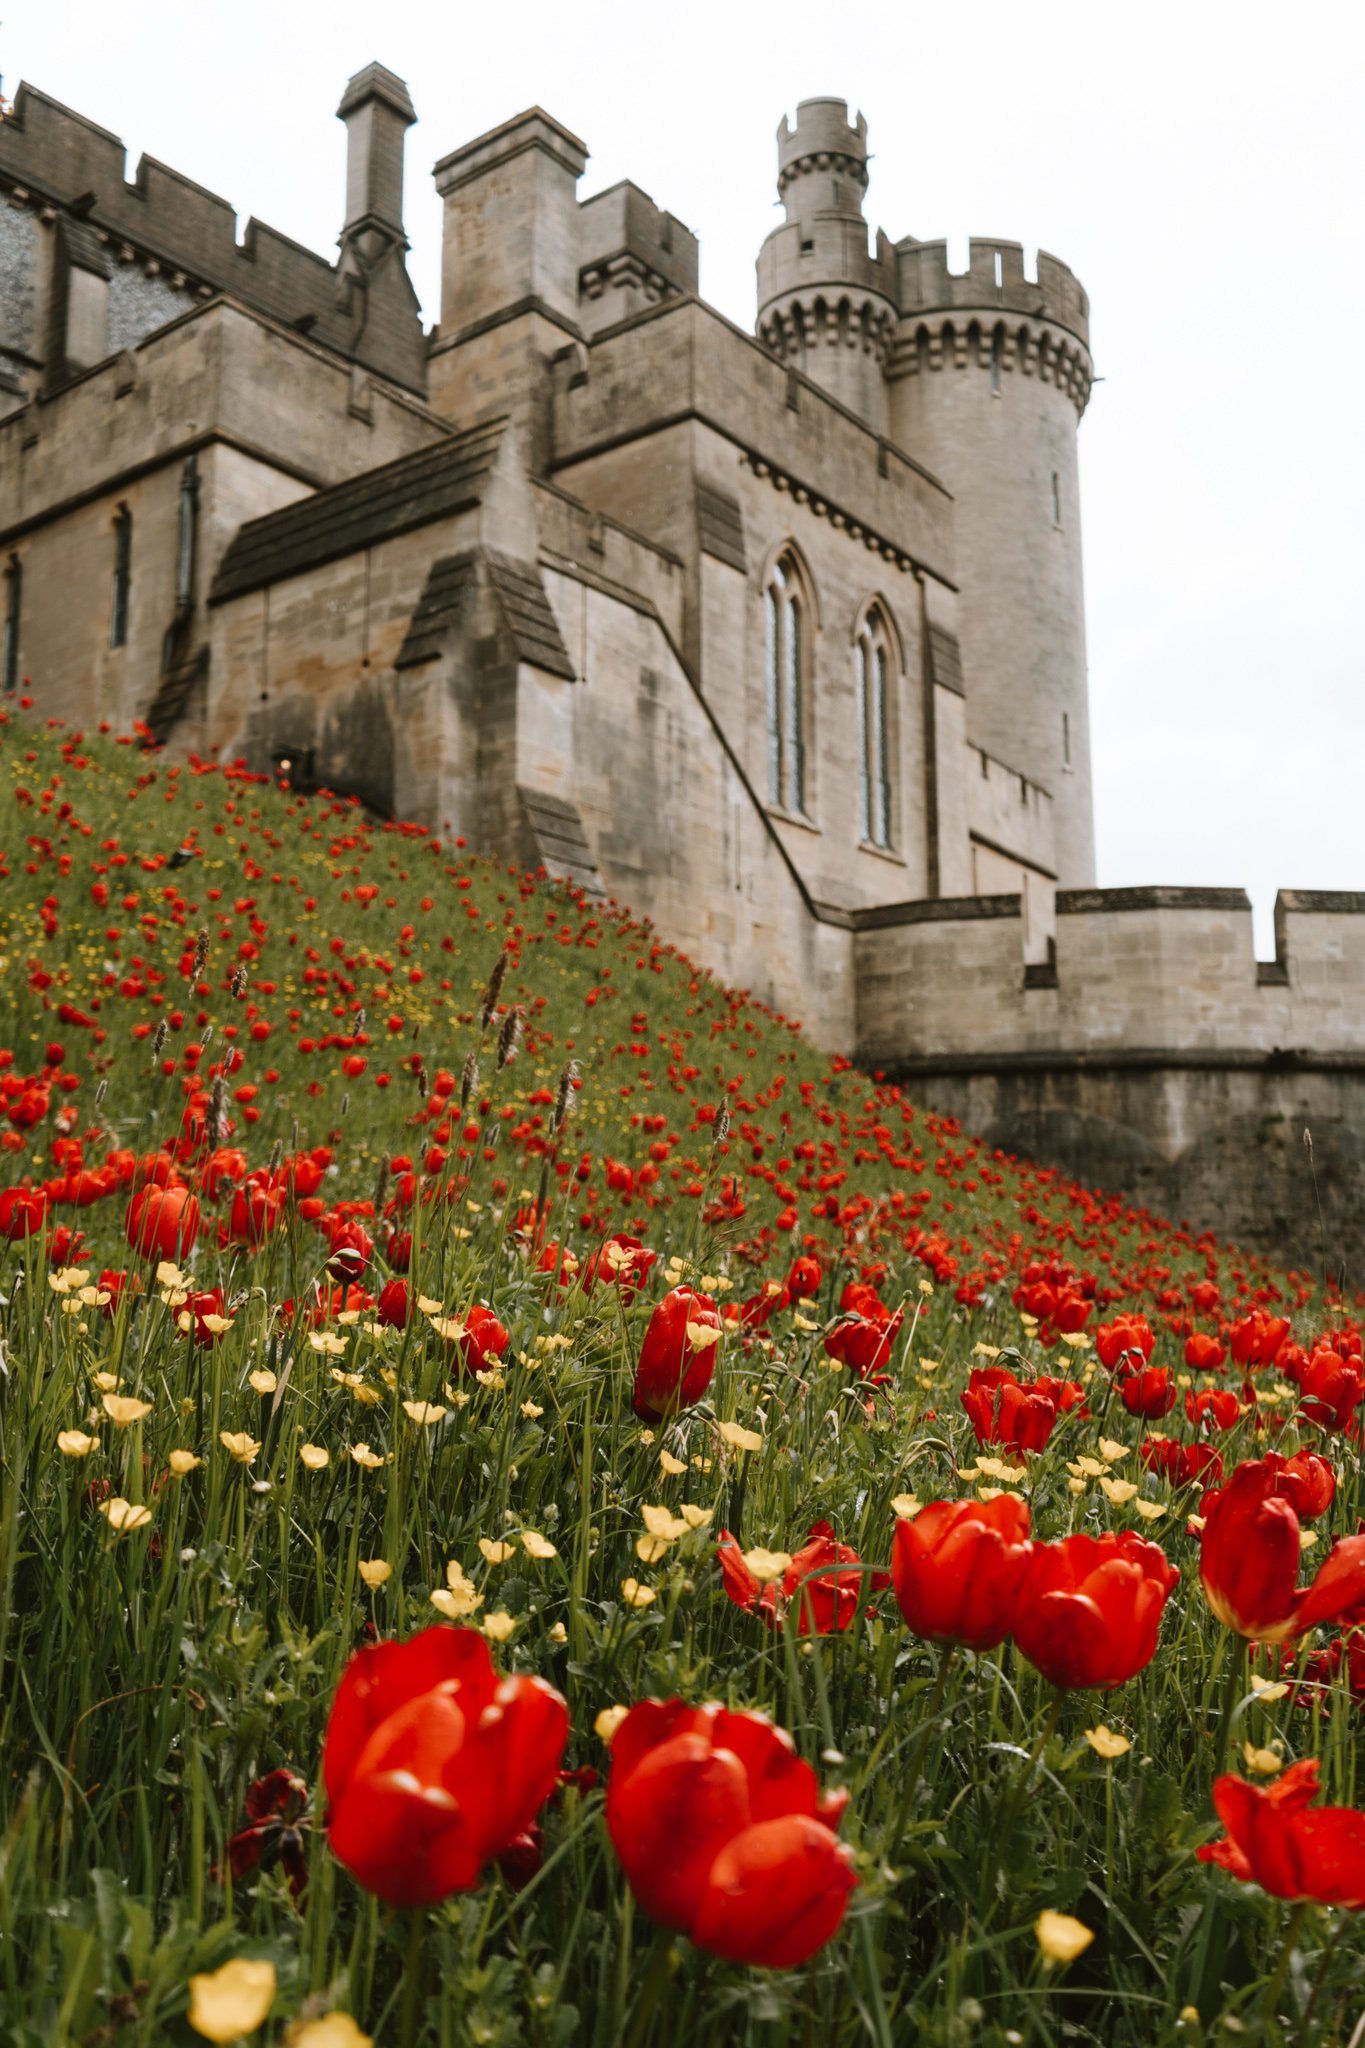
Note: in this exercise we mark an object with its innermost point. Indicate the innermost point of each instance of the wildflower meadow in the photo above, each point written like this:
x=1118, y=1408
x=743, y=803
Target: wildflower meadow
x=535, y=1507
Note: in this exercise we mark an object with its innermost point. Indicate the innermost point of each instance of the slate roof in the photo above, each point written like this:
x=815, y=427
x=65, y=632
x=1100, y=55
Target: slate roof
x=432, y=483
x=451, y=583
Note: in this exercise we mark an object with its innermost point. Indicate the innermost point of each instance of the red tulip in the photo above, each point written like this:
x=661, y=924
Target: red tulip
x=1089, y=1609
x=957, y=1567
x=1273, y=1840
x=1004, y=1410
x=1218, y=1405
x=723, y=1834
x=678, y=1355
x=623, y=1262
x=1149, y=1391
x=349, y=1246
x=1204, y=1353
x=803, y=1281
x=1330, y=1389
x=23, y=1212
x=275, y=1814
x=483, y=1339
x=1306, y=1481
x=1182, y=1464
x=255, y=1212
x=827, y=1602
x=434, y=1765
x=1130, y=1336
x=1257, y=1338
x=1249, y=1561
x=162, y=1222
x=394, y=1309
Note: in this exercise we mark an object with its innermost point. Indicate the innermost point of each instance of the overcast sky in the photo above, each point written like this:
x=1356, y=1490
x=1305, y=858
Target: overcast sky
x=1200, y=166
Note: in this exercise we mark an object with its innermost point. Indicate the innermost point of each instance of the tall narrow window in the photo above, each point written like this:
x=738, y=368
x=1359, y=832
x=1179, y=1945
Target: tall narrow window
x=1056, y=500
x=872, y=671
x=995, y=362
x=1066, y=739
x=14, y=598
x=187, y=536
x=123, y=565
x=786, y=660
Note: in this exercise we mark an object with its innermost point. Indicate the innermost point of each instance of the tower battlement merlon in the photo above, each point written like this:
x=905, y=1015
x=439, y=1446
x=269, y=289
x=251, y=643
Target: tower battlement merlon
x=824, y=144
x=994, y=281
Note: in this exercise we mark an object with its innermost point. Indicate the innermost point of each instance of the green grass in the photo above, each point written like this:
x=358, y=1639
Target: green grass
x=146, y=1679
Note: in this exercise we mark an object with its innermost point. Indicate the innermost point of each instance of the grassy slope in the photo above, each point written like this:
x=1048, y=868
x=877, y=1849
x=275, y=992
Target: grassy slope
x=148, y=1679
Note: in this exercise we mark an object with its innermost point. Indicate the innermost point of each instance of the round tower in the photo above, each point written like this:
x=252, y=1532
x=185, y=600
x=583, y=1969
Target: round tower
x=988, y=379
x=825, y=304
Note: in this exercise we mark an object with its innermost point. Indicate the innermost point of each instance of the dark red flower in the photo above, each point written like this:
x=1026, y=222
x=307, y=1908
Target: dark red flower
x=678, y=1355
x=1089, y=1609
x=1218, y=1406
x=1126, y=1336
x=482, y=1339
x=1330, y=1389
x=1277, y=1839
x=434, y=1765
x=723, y=1834
x=275, y=1813
x=957, y=1567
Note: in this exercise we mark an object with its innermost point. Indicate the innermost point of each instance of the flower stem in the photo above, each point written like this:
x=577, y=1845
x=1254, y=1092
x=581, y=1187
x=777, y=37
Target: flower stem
x=412, y=1982
x=657, y=1975
x=1276, y=1984
x=1234, y=1679
x=915, y=1769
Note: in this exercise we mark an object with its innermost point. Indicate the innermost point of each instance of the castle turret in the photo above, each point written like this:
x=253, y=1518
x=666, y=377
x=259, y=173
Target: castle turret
x=825, y=304
x=988, y=378
x=374, y=292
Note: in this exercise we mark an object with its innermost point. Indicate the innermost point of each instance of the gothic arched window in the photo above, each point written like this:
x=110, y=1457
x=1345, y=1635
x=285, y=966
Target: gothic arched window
x=786, y=624
x=872, y=674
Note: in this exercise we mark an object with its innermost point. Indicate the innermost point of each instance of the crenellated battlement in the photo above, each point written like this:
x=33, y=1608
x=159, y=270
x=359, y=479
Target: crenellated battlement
x=60, y=165
x=993, y=282
x=823, y=144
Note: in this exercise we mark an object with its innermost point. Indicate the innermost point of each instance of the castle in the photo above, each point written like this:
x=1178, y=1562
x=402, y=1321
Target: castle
x=777, y=638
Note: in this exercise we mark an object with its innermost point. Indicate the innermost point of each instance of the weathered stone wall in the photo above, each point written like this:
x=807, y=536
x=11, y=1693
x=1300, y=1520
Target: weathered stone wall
x=1160, y=1059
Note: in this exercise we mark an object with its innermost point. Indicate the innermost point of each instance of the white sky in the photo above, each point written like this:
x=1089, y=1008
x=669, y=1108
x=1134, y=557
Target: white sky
x=1200, y=166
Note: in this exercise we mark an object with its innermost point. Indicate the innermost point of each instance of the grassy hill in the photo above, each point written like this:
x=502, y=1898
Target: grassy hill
x=373, y=1062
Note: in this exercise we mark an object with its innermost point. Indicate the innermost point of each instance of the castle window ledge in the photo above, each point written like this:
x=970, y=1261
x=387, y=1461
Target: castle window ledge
x=897, y=860
x=797, y=818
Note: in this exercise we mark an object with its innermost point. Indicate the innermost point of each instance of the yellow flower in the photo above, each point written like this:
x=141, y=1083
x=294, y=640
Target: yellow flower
x=1107, y=1742
x=536, y=1545
x=495, y=1552
x=1060, y=1937
x=182, y=1462
x=695, y=1517
x=107, y=1382
x=1117, y=1490
x=232, y=2001
x=559, y=1634
x=668, y=1463
x=374, y=1571
x=1090, y=1467
x=1150, y=1510
x=499, y=1626
x=354, y=1380
x=608, y=1721
x=1111, y=1451
x=315, y=1456
x=1268, y=1689
x=767, y=1564
x=327, y=1341
x=1264, y=1762
x=239, y=1445
x=458, y=1597
x=333, y=2030
x=123, y=1517
x=423, y=1413
x=122, y=1409
x=739, y=1438
x=168, y=1275
x=218, y=1326
x=264, y=1382
x=363, y=1455
x=998, y=1469
x=649, y=1549
x=74, y=1443
x=905, y=1506
x=663, y=1524
x=531, y=1411
x=427, y=1306
x=636, y=1595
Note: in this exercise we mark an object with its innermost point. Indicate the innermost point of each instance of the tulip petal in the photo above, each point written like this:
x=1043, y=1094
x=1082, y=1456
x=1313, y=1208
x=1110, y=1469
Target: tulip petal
x=670, y=1816
x=775, y=1893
